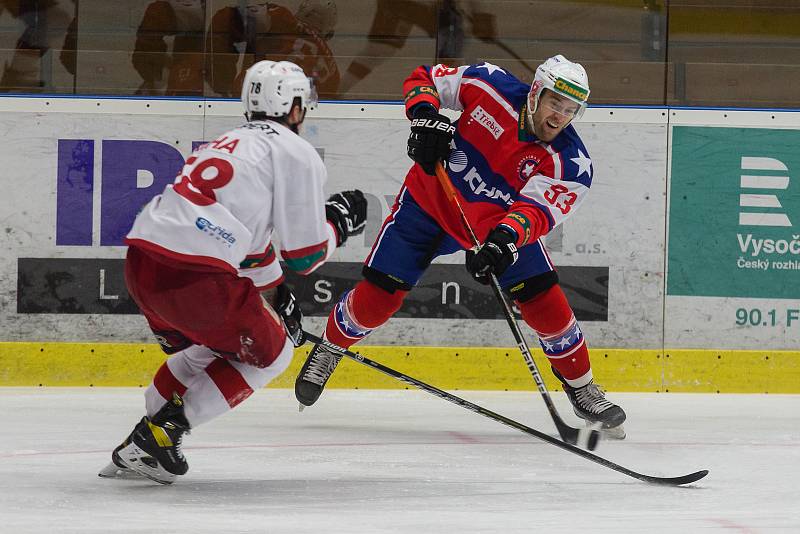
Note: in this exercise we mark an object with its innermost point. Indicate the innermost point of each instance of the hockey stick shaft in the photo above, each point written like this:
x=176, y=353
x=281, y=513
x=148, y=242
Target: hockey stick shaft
x=567, y=433
x=433, y=390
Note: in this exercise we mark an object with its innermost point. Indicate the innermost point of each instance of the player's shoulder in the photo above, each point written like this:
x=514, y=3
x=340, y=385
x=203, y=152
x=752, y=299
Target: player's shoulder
x=569, y=141
x=502, y=80
x=265, y=131
x=574, y=155
x=257, y=140
x=284, y=145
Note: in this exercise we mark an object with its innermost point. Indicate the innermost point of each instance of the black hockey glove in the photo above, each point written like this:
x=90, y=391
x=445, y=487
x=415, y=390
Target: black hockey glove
x=431, y=135
x=347, y=212
x=496, y=254
x=289, y=311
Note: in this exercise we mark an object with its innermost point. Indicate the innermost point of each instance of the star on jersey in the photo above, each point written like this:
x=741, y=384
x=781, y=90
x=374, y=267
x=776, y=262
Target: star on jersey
x=583, y=162
x=350, y=326
x=527, y=170
x=490, y=68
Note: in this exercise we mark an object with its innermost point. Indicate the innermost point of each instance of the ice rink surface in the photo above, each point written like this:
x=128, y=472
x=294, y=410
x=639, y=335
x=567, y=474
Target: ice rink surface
x=401, y=461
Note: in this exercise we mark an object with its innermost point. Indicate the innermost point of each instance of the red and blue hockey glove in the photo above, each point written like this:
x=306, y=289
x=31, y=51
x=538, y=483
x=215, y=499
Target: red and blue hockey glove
x=347, y=212
x=496, y=255
x=431, y=135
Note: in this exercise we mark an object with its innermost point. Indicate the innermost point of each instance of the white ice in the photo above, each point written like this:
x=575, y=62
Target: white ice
x=401, y=461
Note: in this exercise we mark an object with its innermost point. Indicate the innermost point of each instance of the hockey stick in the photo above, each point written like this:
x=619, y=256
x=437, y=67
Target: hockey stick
x=568, y=433
x=667, y=481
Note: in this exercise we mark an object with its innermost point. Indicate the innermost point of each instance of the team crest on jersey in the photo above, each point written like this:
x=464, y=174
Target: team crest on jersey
x=527, y=167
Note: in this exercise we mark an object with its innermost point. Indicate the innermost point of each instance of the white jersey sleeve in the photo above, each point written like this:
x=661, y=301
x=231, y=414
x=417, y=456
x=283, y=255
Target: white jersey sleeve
x=299, y=211
x=560, y=198
x=447, y=81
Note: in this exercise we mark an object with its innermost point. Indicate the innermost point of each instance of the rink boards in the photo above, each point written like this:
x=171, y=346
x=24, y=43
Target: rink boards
x=454, y=368
x=682, y=265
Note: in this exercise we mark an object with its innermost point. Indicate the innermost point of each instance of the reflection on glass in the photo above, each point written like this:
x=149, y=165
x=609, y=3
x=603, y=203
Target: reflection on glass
x=747, y=51
x=37, y=45
x=262, y=30
x=168, y=53
x=447, y=22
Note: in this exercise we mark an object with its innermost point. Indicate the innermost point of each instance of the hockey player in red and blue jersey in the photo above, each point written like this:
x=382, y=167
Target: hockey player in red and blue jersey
x=519, y=169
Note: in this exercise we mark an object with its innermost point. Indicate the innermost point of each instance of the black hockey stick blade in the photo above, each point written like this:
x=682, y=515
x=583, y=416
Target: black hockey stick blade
x=587, y=437
x=433, y=390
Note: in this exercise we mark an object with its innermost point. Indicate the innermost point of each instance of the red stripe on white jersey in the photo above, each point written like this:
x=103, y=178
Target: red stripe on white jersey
x=229, y=381
x=166, y=383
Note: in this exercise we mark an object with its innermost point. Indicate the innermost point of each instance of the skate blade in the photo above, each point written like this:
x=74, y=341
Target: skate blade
x=112, y=470
x=301, y=407
x=139, y=461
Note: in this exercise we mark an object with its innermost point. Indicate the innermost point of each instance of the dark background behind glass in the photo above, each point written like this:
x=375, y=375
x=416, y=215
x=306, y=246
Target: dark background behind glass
x=739, y=53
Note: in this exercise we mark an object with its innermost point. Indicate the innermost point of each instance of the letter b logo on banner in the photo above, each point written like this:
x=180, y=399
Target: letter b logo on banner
x=121, y=194
x=734, y=213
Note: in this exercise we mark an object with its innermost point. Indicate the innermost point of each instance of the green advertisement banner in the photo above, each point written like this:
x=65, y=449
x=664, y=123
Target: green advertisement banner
x=734, y=215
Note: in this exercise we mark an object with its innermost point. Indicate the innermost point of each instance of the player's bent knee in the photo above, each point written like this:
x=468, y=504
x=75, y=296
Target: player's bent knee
x=534, y=286
x=373, y=304
x=387, y=282
x=278, y=365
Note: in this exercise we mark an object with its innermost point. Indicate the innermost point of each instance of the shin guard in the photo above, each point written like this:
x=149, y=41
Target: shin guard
x=361, y=310
x=550, y=315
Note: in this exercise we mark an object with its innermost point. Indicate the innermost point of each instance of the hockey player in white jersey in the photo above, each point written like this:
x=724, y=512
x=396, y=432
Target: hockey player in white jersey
x=203, y=269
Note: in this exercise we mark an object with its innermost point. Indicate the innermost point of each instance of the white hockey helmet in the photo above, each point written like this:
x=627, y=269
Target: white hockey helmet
x=270, y=87
x=321, y=15
x=564, y=78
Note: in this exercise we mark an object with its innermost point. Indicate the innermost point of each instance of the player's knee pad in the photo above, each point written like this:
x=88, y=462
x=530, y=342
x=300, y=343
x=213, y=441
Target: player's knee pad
x=171, y=341
x=547, y=312
x=258, y=377
x=387, y=282
x=531, y=287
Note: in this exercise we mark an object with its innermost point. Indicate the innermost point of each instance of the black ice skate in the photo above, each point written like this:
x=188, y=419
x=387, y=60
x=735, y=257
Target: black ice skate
x=116, y=468
x=315, y=373
x=154, y=447
x=590, y=404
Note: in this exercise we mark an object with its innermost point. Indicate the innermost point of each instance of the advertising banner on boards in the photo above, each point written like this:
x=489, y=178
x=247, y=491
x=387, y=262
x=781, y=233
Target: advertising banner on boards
x=733, y=261
x=83, y=177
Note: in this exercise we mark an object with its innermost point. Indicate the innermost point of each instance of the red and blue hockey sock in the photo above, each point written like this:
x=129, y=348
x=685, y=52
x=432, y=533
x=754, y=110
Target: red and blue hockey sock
x=360, y=311
x=550, y=315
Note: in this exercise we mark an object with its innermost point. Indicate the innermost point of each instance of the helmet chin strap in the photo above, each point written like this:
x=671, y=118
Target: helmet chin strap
x=531, y=110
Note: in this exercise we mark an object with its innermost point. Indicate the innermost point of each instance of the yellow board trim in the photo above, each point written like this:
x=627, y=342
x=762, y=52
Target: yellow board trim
x=454, y=368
